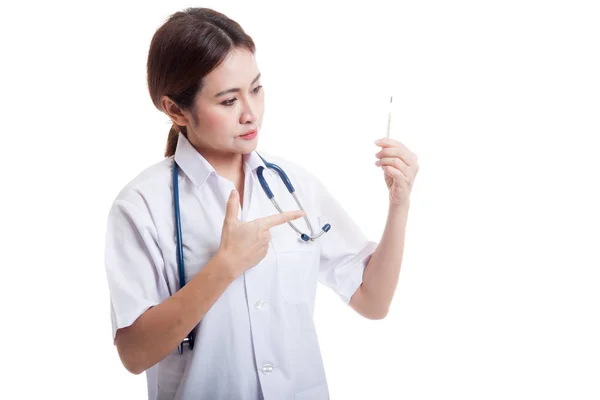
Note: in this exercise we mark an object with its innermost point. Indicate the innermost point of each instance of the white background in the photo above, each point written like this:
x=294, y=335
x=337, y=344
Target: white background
x=499, y=291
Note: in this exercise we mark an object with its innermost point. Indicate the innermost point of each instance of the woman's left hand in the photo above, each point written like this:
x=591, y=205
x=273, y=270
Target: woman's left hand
x=400, y=168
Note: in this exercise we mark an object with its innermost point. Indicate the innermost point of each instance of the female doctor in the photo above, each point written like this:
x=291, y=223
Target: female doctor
x=238, y=323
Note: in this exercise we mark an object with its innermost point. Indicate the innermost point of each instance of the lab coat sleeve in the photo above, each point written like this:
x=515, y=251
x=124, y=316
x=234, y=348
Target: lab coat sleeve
x=134, y=264
x=345, y=250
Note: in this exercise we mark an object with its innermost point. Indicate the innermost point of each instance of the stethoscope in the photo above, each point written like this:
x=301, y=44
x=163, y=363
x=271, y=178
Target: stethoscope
x=189, y=340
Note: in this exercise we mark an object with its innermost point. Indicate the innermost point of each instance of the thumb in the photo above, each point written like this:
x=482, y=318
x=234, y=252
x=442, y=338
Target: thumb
x=233, y=203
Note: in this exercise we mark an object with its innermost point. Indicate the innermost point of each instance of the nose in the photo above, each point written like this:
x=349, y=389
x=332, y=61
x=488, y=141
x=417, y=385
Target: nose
x=249, y=114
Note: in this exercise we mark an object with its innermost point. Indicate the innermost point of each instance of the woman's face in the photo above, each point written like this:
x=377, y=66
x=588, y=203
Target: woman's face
x=229, y=105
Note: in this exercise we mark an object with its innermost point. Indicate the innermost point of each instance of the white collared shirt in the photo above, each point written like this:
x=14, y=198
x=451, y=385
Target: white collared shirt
x=258, y=341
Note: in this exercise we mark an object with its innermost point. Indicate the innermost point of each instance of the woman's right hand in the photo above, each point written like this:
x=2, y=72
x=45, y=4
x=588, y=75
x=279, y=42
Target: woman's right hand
x=245, y=243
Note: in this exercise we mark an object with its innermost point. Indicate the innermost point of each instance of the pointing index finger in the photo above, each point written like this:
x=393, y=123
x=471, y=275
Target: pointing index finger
x=282, y=218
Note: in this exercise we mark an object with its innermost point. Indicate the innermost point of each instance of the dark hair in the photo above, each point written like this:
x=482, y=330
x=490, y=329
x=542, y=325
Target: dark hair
x=187, y=47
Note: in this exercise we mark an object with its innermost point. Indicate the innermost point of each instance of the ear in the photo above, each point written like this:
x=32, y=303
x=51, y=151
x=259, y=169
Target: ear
x=174, y=111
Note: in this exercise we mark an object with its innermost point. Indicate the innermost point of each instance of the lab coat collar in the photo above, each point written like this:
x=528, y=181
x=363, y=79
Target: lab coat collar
x=198, y=169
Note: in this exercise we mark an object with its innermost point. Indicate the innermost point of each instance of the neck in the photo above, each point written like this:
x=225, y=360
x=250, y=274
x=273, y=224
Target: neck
x=230, y=166
x=227, y=165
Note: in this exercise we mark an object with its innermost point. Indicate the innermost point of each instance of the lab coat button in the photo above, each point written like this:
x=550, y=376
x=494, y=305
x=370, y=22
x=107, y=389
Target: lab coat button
x=259, y=304
x=267, y=369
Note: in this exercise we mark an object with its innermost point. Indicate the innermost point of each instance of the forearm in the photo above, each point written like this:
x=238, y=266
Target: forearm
x=380, y=277
x=161, y=328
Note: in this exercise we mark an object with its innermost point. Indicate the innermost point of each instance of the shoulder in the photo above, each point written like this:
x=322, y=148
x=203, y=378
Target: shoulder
x=150, y=185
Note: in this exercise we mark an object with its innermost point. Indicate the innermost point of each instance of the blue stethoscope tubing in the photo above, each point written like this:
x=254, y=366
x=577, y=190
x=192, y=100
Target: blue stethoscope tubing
x=292, y=190
x=260, y=172
x=180, y=264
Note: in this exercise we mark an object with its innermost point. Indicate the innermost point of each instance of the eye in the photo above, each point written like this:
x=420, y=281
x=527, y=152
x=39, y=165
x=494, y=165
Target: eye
x=229, y=102
x=257, y=89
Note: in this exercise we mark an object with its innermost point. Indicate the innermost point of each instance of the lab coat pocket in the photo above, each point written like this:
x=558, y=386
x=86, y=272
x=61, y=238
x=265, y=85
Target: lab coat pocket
x=293, y=267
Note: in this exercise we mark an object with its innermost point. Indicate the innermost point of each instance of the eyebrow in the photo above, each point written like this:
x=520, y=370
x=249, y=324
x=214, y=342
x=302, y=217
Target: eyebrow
x=236, y=89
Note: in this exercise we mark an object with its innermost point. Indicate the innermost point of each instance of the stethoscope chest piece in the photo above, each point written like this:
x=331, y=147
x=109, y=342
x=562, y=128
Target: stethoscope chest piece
x=187, y=341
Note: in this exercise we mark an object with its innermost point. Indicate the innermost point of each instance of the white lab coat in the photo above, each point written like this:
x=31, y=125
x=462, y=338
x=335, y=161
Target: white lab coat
x=258, y=341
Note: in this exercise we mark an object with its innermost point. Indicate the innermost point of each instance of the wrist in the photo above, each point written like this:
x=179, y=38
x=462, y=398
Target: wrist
x=225, y=265
x=401, y=207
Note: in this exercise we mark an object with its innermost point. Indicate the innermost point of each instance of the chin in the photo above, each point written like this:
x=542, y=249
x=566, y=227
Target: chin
x=248, y=146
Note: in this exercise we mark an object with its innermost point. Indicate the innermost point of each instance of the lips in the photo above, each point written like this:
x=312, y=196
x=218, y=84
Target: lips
x=249, y=133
